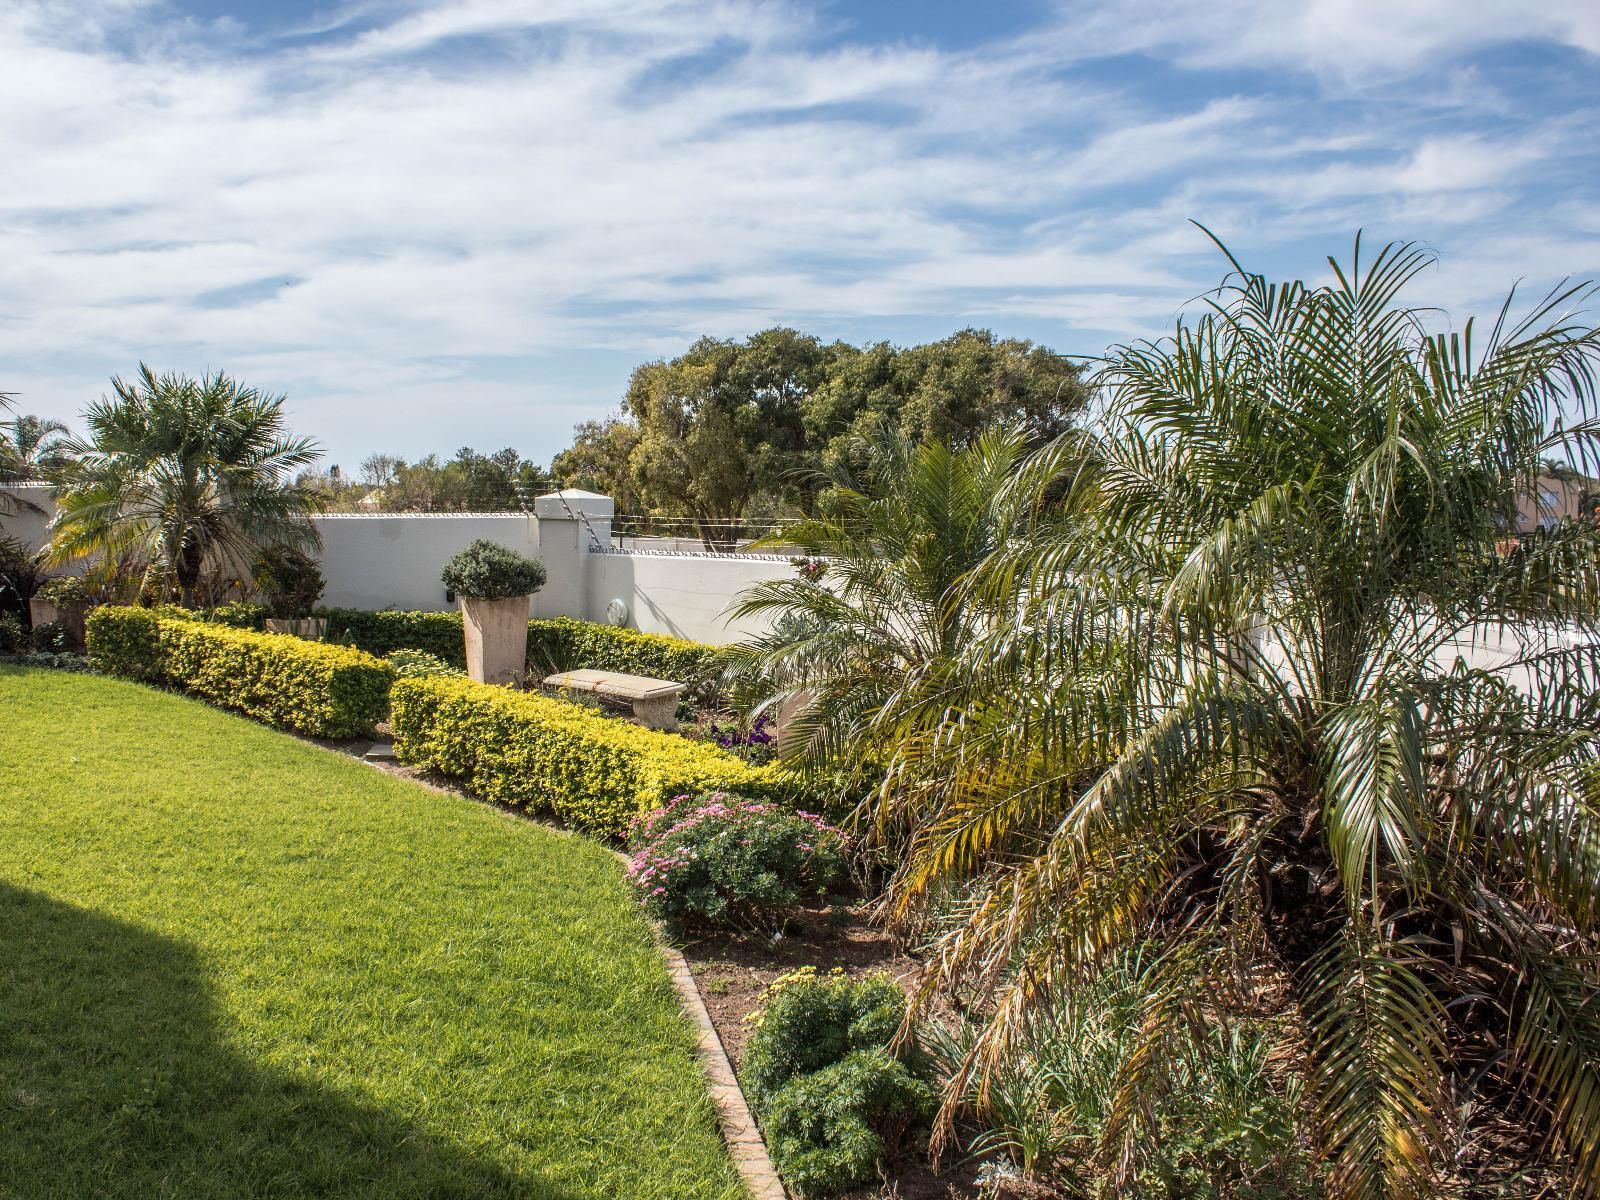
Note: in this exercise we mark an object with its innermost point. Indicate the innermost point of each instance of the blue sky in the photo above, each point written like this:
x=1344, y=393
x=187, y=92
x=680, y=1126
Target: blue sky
x=434, y=224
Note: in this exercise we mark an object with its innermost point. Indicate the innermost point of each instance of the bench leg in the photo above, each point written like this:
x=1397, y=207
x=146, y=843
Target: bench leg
x=657, y=714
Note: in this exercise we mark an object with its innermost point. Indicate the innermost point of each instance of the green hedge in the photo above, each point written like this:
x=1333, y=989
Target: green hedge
x=567, y=644
x=308, y=687
x=380, y=633
x=557, y=643
x=547, y=755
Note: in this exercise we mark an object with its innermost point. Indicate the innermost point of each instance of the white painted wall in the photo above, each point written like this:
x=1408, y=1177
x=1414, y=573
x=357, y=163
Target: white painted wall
x=27, y=517
x=681, y=594
x=393, y=561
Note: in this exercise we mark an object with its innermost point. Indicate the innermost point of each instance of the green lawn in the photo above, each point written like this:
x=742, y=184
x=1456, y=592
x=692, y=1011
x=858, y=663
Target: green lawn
x=233, y=964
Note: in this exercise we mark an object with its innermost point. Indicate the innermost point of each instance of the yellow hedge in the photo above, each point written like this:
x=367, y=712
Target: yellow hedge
x=548, y=755
x=310, y=687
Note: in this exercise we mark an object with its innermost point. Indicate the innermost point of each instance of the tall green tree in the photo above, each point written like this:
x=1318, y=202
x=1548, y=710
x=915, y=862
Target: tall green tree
x=731, y=425
x=721, y=424
x=1212, y=705
x=600, y=459
x=181, y=475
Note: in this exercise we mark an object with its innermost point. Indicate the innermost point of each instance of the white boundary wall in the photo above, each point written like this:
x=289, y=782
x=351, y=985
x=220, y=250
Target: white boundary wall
x=384, y=560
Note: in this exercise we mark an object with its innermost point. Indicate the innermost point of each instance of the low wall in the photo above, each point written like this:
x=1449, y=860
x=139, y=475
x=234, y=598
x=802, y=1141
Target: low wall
x=681, y=594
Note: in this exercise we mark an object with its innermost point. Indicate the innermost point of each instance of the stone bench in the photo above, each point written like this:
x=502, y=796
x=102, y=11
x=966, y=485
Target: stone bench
x=655, y=701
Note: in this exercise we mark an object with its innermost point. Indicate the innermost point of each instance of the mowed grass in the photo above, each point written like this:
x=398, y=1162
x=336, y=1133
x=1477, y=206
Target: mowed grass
x=233, y=964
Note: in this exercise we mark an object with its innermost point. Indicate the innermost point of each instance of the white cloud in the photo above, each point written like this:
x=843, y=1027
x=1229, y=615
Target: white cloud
x=369, y=212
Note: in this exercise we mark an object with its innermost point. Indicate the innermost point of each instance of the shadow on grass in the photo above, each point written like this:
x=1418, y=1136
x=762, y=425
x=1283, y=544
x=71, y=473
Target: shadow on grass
x=114, y=1082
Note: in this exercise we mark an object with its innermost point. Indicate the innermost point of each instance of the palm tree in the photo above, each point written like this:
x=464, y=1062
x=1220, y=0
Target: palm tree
x=183, y=474
x=1213, y=702
x=34, y=447
x=855, y=641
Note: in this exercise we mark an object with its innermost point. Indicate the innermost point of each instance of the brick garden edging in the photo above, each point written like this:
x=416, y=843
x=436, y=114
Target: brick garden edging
x=739, y=1128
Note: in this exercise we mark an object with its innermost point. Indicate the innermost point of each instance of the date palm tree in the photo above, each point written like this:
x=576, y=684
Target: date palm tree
x=182, y=474
x=870, y=626
x=1219, y=705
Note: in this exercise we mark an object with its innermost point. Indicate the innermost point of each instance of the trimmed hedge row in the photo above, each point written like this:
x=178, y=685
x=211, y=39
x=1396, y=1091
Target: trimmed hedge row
x=309, y=687
x=380, y=633
x=542, y=754
x=567, y=643
x=559, y=643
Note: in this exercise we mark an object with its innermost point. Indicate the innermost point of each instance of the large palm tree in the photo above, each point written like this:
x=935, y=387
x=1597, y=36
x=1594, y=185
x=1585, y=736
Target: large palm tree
x=1214, y=702
x=182, y=475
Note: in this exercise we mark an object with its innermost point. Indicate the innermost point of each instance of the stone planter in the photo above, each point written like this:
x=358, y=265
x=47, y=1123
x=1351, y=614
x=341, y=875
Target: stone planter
x=68, y=616
x=313, y=629
x=497, y=638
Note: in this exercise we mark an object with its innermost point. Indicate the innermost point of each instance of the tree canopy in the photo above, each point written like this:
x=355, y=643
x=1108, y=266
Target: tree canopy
x=731, y=424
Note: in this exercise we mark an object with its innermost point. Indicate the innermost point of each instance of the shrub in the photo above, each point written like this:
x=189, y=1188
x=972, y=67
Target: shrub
x=831, y=1094
x=828, y=1131
x=13, y=634
x=542, y=754
x=309, y=687
x=438, y=633
x=290, y=579
x=237, y=614
x=62, y=590
x=50, y=637
x=487, y=570
x=554, y=644
x=718, y=859
x=419, y=664
x=565, y=643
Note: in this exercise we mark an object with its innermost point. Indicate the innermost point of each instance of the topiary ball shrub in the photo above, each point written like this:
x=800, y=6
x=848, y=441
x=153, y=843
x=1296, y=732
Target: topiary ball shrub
x=833, y=1097
x=722, y=860
x=487, y=570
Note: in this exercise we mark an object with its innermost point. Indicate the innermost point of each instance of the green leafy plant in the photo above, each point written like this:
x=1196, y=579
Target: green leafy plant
x=419, y=664
x=290, y=579
x=13, y=634
x=49, y=637
x=487, y=570
x=309, y=687
x=1223, y=1124
x=833, y=1097
x=719, y=859
x=546, y=755
x=387, y=630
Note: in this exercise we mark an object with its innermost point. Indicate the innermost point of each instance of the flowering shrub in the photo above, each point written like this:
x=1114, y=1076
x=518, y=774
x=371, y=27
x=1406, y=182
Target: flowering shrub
x=756, y=742
x=719, y=859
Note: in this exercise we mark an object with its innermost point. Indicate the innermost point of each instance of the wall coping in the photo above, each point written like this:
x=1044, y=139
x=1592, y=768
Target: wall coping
x=732, y=555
